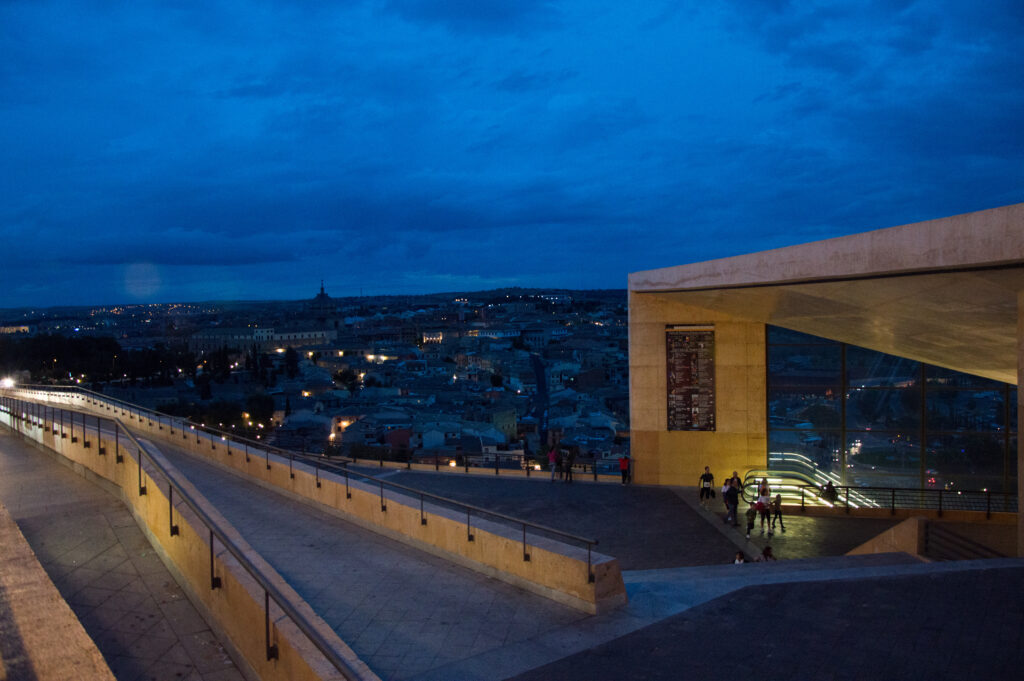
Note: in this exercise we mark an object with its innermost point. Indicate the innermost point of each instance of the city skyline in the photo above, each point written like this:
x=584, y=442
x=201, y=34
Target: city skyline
x=247, y=150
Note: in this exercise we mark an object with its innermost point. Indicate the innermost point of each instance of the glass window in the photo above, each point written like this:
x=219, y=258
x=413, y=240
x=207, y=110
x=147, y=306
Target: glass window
x=965, y=461
x=883, y=459
x=803, y=452
x=870, y=369
x=947, y=378
x=804, y=365
x=778, y=335
x=803, y=408
x=965, y=410
x=883, y=409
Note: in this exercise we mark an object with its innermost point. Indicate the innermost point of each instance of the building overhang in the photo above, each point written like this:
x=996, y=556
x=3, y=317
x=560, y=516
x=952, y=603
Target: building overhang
x=943, y=291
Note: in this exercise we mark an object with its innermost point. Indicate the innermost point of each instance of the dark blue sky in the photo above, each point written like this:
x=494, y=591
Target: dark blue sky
x=184, y=150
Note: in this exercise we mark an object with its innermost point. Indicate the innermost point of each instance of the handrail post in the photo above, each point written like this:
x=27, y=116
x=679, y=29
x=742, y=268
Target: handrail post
x=940, y=503
x=383, y=504
x=893, y=508
x=271, y=649
x=215, y=582
x=267, y=453
x=423, y=518
x=590, y=570
x=170, y=509
x=802, y=490
x=988, y=504
x=526, y=553
x=594, y=466
x=847, y=498
x=469, y=529
x=496, y=461
x=348, y=492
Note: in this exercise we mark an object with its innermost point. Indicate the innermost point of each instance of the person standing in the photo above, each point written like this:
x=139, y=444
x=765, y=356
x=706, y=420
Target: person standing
x=624, y=467
x=707, y=482
x=570, y=459
x=732, y=502
x=777, y=514
x=553, y=461
x=558, y=463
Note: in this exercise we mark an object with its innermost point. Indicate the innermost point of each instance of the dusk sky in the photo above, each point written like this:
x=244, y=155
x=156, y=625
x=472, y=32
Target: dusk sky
x=188, y=151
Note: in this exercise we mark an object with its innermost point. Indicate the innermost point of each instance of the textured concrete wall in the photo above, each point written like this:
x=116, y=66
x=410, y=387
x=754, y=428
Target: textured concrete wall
x=740, y=440
x=907, y=537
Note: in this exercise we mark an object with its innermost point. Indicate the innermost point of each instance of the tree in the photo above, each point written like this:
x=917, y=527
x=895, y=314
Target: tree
x=291, y=362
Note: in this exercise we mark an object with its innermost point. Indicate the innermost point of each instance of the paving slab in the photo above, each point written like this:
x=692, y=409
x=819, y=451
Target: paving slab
x=106, y=570
x=945, y=623
x=406, y=613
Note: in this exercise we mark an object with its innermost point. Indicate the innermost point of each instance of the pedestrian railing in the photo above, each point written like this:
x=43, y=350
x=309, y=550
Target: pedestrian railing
x=260, y=449
x=62, y=422
x=894, y=498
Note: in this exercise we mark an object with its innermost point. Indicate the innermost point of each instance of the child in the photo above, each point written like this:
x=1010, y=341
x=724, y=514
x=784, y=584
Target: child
x=777, y=514
x=751, y=518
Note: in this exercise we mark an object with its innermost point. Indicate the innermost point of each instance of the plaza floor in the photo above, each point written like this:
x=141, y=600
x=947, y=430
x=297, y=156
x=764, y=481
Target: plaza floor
x=411, y=615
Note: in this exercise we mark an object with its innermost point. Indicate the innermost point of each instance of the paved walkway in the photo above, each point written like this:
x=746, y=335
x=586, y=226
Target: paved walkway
x=103, y=566
x=404, y=612
x=644, y=527
x=929, y=623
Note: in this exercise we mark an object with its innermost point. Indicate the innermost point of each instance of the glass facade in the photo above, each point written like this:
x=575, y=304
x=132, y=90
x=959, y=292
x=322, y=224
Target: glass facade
x=876, y=420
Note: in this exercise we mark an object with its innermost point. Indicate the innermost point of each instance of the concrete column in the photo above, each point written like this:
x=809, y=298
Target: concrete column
x=1020, y=422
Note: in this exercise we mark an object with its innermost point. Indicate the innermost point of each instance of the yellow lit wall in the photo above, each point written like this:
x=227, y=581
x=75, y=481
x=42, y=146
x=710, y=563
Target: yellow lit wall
x=739, y=442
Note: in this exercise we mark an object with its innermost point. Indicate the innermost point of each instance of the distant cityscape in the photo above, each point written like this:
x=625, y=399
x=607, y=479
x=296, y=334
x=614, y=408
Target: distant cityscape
x=463, y=377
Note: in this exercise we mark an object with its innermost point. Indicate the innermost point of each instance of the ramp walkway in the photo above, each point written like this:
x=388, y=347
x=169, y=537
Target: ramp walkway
x=105, y=569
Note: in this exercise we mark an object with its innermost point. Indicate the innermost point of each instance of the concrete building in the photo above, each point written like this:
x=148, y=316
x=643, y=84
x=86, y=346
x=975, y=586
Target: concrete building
x=946, y=292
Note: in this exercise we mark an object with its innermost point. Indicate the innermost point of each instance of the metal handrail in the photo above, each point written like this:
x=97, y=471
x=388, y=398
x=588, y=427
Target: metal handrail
x=922, y=498
x=270, y=590
x=462, y=506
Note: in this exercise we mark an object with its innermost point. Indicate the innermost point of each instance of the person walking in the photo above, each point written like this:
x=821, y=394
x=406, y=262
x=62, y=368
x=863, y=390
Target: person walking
x=707, y=490
x=777, y=514
x=570, y=459
x=558, y=463
x=764, y=501
x=624, y=467
x=732, y=502
x=751, y=519
x=553, y=461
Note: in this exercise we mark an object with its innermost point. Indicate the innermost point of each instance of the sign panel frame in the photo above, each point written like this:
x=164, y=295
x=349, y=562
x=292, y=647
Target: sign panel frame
x=690, y=377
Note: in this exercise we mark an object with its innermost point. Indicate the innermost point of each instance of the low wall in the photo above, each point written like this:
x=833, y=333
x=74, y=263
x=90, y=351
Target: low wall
x=236, y=608
x=907, y=536
x=42, y=638
x=547, y=567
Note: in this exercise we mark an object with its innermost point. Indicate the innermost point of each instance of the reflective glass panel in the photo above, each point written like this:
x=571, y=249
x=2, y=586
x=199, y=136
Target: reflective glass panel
x=883, y=409
x=965, y=410
x=947, y=378
x=803, y=408
x=868, y=369
x=965, y=461
x=777, y=334
x=883, y=459
x=804, y=365
x=804, y=452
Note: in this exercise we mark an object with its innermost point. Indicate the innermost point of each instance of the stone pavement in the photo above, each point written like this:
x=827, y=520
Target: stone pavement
x=103, y=566
x=934, y=625
x=406, y=613
x=411, y=615
x=644, y=527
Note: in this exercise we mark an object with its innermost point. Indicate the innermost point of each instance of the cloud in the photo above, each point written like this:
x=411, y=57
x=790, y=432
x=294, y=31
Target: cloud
x=474, y=16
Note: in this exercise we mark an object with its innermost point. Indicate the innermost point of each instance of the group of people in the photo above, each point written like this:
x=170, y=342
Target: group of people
x=764, y=506
x=765, y=556
x=561, y=465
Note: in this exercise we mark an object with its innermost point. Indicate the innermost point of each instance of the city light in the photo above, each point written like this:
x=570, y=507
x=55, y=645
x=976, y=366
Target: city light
x=7, y=383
